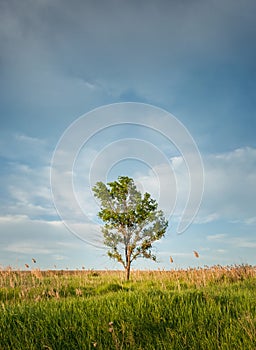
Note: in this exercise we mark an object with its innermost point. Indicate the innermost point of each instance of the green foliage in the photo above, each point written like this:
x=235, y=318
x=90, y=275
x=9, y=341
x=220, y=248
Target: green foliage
x=132, y=221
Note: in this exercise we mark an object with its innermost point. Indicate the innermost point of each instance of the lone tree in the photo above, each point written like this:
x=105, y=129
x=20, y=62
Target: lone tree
x=132, y=221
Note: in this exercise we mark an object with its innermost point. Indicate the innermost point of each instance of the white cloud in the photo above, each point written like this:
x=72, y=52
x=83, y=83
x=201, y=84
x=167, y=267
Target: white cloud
x=26, y=248
x=25, y=177
x=221, y=251
x=250, y=221
x=243, y=242
x=28, y=192
x=217, y=237
x=233, y=241
x=33, y=141
x=23, y=238
x=59, y=257
x=206, y=219
x=22, y=150
x=230, y=190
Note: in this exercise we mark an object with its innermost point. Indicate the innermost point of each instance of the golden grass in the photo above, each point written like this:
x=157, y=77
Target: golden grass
x=193, y=276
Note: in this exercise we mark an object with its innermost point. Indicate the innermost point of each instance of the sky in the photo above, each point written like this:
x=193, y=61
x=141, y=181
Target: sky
x=91, y=90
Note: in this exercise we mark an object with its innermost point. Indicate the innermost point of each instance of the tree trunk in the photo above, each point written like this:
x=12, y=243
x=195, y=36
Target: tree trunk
x=128, y=268
x=128, y=262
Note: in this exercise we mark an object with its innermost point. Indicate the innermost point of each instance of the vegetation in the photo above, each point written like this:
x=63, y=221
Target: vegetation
x=209, y=308
x=132, y=221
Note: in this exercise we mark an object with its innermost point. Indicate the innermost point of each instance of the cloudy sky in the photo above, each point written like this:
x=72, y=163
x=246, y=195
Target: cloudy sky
x=60, y=60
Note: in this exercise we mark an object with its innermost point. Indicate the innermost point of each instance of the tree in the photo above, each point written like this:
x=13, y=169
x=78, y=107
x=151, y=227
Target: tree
x=132, y=221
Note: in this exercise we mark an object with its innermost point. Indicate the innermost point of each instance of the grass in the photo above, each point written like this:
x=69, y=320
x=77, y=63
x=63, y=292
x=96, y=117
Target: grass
x=210, y=308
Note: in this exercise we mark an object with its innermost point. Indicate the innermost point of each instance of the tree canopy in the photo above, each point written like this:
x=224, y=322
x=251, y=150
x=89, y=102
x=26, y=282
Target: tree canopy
x=132, y=221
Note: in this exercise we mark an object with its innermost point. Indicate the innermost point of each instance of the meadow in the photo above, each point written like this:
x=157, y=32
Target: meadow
x=198, y=308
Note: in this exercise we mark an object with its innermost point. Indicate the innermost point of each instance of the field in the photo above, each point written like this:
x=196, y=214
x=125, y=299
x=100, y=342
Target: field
x=205, y=308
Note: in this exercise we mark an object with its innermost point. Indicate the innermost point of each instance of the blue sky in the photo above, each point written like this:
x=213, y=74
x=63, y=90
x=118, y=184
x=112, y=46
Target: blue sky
x=60, y=60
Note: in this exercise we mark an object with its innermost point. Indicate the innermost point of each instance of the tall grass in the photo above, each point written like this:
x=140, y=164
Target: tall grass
x=210, y=308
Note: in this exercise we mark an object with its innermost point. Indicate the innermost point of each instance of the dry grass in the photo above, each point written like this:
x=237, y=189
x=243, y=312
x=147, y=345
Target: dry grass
x=59, y=280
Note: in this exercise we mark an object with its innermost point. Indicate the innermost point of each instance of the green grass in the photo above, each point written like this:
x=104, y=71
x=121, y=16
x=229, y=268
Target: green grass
x=188, y=309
